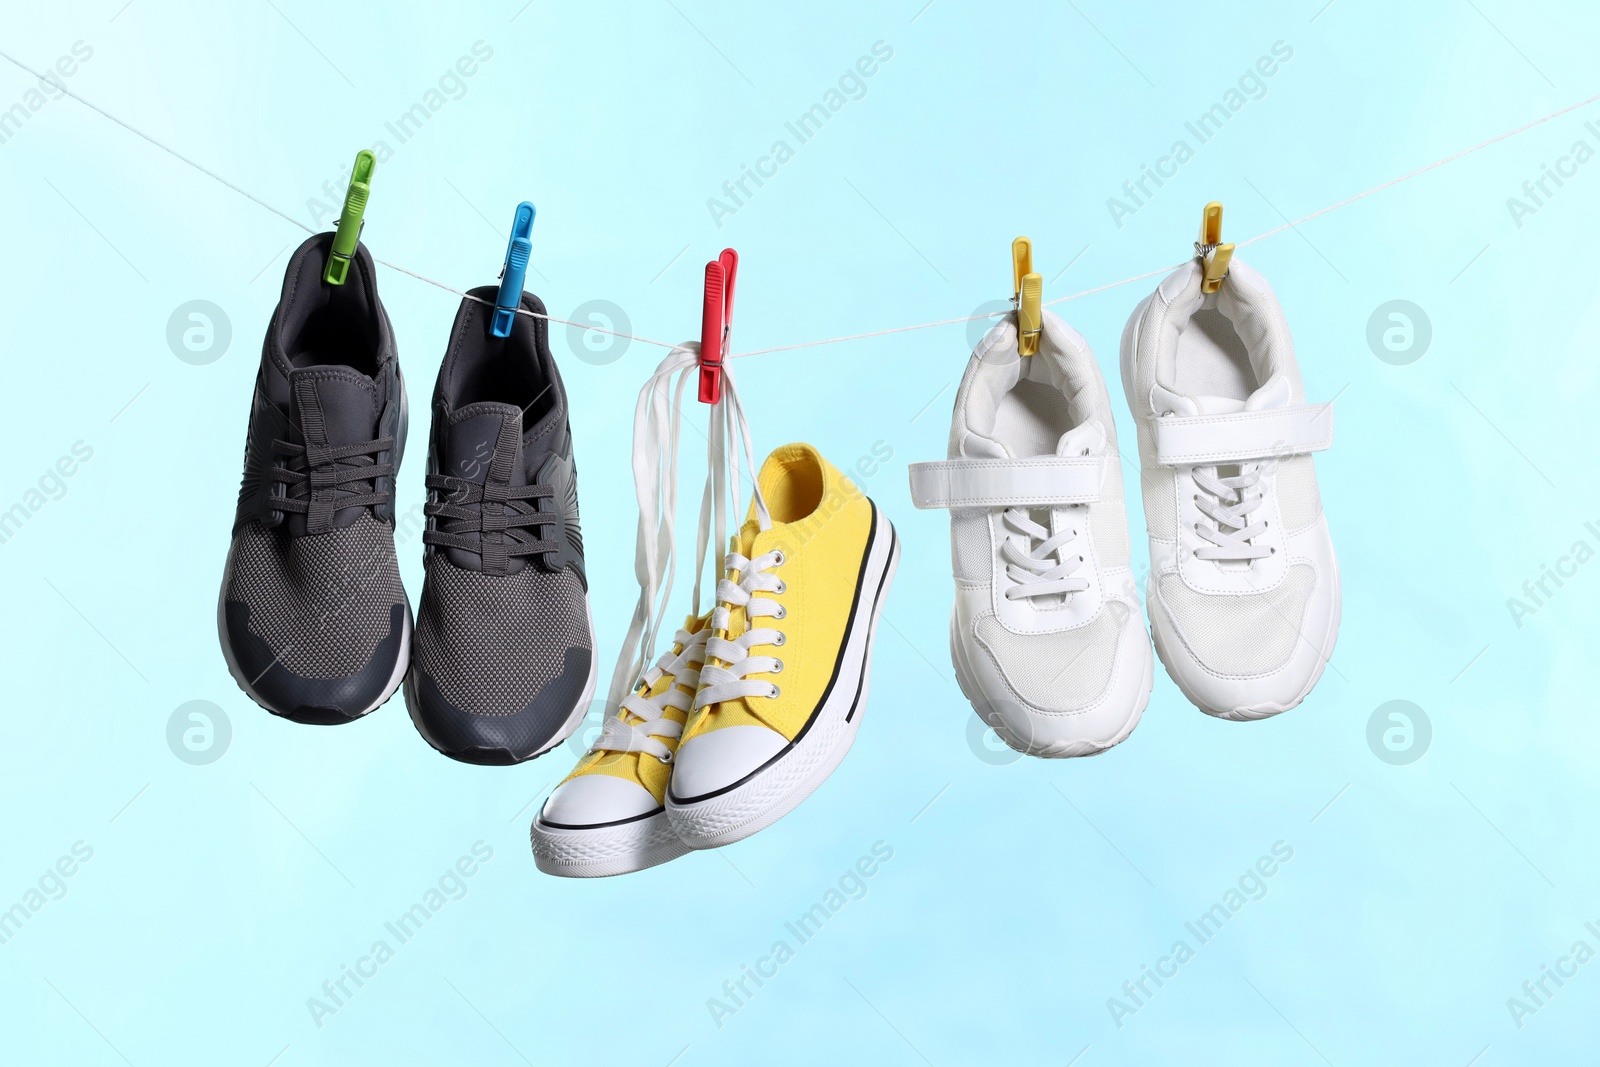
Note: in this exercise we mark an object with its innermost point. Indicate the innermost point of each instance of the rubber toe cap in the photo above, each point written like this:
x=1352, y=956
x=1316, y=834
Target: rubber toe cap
x=716, y=761
x=597, y=799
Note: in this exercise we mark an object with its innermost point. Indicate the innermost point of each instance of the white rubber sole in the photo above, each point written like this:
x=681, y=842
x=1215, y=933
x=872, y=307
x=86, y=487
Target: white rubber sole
x=602, y=851
x=780, y=786
x=1052, y=750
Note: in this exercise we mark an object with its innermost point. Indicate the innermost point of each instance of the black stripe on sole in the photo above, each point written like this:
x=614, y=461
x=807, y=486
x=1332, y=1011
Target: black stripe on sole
x=838, y=662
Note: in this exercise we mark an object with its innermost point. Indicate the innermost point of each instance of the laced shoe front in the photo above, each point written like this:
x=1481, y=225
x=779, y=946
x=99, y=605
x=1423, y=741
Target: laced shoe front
x=751, y=589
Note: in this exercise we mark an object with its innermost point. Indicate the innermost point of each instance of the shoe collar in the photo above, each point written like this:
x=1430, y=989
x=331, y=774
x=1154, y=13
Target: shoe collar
x=1248, y=303
x=305, y=294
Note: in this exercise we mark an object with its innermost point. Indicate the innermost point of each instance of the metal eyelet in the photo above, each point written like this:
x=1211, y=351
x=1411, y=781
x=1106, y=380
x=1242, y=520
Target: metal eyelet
x=781, y=639
x=667, y=758
x=778, y=558
x=775, y=692
x=783, y=586
x=777, y=666
x=781, y=613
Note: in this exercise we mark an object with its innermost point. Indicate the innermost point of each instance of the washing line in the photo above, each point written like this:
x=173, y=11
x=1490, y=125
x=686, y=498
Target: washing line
x=1435, y=165
x=285, y=216
x=1169, y=269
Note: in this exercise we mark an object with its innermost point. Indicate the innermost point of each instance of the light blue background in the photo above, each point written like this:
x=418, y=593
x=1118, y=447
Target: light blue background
x=1021, y=893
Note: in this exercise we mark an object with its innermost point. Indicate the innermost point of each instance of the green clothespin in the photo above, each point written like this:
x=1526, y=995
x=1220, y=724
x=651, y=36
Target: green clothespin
x=349, y=231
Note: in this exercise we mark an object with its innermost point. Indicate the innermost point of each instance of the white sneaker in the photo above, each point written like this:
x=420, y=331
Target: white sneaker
x=1046, y=636
x=1244, y=589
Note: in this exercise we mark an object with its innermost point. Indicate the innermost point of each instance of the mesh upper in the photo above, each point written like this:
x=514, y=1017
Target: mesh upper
x=1160, y=503
x=321, y=602
x=1108, y=523
x=1299, y=501
x=969, y=544
x=1241, y=634
x=491, y=642
x=1062, y=671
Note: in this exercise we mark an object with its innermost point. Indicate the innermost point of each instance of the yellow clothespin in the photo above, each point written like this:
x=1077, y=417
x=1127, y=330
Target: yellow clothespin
x=1027, y=288
x=1214, y=255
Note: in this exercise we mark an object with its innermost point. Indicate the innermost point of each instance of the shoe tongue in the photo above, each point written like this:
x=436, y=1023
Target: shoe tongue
x=334, y=405
x=480, y=434
x=743, y=540
x=484, y=441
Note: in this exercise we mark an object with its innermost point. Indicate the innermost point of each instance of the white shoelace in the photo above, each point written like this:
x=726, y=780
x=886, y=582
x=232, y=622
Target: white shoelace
x=1046, y=570
x=729, y=679
x=619, y=735
x=658, y=418
x=1228, y=505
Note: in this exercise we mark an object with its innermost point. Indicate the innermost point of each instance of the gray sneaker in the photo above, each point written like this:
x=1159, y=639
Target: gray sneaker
x=504, y=665
x=312, y=617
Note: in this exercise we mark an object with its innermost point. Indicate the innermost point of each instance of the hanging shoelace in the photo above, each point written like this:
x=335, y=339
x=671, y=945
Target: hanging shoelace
x=319, y=480
x=658, y=417
x=729, y=679
x=1227, y=503
x=651, y=725
x=1046, y=570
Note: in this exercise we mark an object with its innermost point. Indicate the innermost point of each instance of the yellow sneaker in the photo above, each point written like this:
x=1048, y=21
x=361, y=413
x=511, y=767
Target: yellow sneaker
x=783, y=687
x=607, y=816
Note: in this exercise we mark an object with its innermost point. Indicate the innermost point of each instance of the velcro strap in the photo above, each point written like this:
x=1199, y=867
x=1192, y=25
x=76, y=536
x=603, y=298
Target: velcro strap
x=1207, y=440
x=1042, y=481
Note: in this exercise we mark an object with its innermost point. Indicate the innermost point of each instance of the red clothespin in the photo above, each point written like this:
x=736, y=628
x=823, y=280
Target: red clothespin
x=716, y=322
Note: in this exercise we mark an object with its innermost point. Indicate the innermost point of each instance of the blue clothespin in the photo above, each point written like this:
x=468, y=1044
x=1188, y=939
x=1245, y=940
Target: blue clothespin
x=509, y=299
